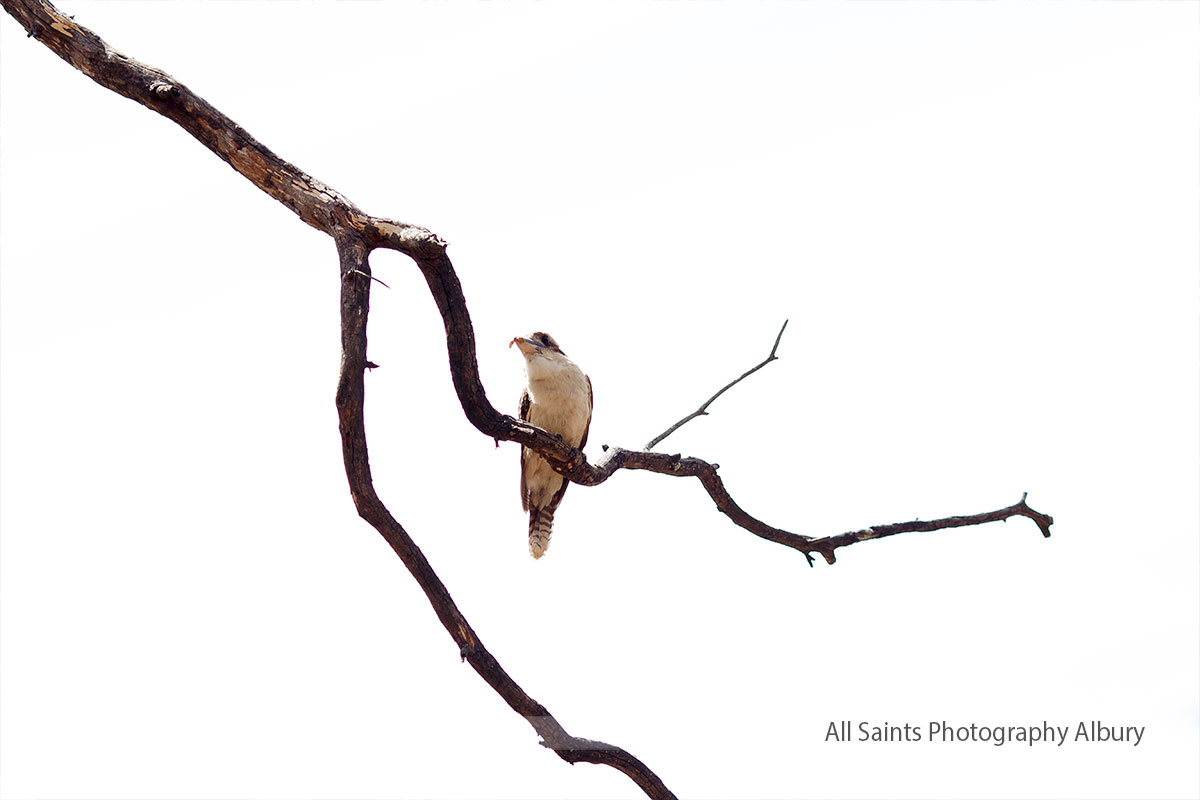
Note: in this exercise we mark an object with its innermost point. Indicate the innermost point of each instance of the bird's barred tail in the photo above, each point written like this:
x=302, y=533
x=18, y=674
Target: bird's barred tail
x=541, y=520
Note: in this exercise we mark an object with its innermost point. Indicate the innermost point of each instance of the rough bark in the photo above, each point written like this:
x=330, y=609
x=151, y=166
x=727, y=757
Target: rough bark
x=356, y=234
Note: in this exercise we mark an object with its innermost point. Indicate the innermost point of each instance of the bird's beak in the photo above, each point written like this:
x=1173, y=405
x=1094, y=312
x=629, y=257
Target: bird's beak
x=524, y=345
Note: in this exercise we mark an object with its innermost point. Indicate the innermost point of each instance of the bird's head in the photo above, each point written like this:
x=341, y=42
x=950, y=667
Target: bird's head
x=537, y=343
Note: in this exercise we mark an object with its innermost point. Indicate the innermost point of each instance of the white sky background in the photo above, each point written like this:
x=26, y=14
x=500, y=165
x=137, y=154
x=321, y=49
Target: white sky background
x=981, y=220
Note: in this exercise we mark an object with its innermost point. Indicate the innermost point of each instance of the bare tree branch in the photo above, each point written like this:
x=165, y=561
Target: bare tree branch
x=826, y=545
x=325, y=209
x=355, y=301
x=618, y=458
x=356, y=234
x=703, y=410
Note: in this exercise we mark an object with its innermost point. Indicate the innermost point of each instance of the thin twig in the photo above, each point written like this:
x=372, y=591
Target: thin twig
x=367, y=275
x=703, y=410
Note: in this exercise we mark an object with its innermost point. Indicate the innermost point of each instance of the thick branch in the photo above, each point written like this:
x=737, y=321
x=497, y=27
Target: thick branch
x=327, y=210
x=355, y=300
x=356, y=234
x=703, y=410
x=317, y=204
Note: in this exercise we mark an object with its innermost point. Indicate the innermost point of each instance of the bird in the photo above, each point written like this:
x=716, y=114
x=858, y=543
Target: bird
x=558, y=399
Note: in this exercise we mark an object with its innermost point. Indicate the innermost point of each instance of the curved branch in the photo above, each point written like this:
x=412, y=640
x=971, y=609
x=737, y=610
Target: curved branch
x=355, y=302
x=325, y=209
x=356, y=234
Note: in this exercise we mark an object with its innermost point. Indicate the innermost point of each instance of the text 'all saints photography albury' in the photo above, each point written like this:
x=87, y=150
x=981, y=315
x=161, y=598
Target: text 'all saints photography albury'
x=1091, y=732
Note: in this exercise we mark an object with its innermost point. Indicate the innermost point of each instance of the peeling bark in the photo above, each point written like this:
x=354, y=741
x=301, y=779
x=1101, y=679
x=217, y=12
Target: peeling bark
x=356, y=234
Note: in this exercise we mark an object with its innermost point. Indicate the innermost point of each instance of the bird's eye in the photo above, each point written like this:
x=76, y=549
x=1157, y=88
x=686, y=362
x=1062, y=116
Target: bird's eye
x=545, y=340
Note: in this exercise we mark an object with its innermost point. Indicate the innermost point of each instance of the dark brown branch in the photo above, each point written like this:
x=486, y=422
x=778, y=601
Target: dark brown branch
x=703, y=410
x=314, y=202
x=826, y=545
x=352, y=255
x=356, y=234
x=325, y=209
x=618, y=458
x=328, y=211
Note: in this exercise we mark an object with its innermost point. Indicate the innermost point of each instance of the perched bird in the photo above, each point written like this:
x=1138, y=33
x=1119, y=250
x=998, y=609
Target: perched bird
x=558, y=399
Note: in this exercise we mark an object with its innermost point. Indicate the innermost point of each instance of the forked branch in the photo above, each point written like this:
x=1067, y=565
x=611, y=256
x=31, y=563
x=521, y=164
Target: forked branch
x=356, y=234
x=355, y=301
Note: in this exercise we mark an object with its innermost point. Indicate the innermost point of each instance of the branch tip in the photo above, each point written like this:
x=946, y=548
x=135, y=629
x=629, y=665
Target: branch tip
x=777, y=338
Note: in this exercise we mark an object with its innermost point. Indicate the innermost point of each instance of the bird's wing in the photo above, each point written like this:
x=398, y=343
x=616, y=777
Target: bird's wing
x=523, y=406
x=523, y=413
x=552, y=506
x=558, y=496
x=588, y=427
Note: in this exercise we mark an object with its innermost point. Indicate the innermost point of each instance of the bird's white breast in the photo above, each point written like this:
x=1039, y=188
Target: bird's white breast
x=559, y=398
x=559, y=402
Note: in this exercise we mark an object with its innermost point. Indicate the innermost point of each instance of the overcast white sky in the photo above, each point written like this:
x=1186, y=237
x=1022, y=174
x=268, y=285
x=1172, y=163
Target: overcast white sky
x=981, y=220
